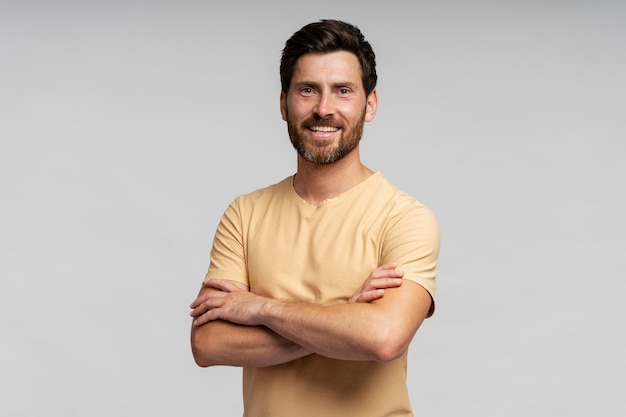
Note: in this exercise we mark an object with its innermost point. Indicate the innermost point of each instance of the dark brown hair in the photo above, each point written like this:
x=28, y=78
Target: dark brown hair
x=329, y=36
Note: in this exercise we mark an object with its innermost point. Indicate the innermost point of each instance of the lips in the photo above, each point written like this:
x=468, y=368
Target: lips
x=323, y=129
x=318, y=125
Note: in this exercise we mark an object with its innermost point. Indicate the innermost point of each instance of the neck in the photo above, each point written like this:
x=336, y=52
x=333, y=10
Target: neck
x=316, y=183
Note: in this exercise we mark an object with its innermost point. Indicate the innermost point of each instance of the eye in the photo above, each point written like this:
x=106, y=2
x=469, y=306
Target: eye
x=344, y=91
x=306, y=91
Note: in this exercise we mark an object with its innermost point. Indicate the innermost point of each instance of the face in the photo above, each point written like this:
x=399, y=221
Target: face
x=326, y=106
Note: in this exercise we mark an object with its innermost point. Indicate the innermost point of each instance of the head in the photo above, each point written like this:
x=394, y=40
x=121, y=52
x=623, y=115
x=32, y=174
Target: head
x=328, y=78
x=329, y=36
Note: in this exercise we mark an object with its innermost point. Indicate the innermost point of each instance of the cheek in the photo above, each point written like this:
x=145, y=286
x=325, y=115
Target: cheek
x=294, y=113
x=352, y=115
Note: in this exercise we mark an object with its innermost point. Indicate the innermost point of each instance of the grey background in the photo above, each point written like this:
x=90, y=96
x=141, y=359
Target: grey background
x=127, y=127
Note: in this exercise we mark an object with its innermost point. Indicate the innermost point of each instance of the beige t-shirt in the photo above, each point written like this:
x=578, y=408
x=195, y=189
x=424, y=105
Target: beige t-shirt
x=281, y=247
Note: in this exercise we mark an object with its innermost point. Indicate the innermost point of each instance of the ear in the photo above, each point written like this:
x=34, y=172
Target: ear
x=371, y=106
x=283, y=105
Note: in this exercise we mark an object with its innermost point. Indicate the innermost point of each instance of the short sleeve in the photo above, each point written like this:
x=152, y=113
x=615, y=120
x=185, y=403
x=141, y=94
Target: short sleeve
x=412, y=240
x=228, y=260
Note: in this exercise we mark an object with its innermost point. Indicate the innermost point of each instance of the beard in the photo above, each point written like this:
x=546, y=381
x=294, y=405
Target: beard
x=321, y=152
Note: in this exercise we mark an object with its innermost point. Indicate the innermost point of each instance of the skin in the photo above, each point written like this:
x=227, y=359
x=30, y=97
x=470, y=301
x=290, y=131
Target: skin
x=222, y=342
x=328, y=86
x=233, y=326
x=336, y=125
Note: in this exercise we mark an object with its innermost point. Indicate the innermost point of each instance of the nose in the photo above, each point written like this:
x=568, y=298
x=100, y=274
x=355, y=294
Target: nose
x=325, y=105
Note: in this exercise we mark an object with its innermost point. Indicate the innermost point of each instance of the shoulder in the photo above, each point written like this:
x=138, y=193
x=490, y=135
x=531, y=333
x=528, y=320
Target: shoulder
x=402, y=205
x=262, y=196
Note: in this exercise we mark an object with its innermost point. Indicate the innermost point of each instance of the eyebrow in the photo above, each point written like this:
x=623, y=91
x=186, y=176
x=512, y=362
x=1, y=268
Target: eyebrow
x=317, y=85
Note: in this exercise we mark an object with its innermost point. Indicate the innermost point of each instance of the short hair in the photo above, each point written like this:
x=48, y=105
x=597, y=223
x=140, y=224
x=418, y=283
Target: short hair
x=328, y=36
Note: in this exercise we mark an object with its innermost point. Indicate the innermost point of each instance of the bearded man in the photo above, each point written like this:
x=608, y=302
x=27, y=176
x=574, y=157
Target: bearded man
x=317, y=284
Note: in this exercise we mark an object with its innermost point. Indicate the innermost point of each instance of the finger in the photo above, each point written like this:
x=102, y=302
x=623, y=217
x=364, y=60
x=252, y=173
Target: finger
x=218, y=284
x=367, y=296
x=199, y=300
x=207, y=305
x=380, y=283
x=387, y=273
x=206, y=296
x=375, y=289
x=224, y=285
x=200, y=310
x=205, y=318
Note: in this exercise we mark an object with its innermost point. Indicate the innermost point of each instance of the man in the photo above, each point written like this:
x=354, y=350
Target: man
x=317, y=284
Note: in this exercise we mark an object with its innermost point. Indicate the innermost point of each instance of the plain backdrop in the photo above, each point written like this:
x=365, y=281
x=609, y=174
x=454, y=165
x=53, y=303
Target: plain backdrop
x=126, y=128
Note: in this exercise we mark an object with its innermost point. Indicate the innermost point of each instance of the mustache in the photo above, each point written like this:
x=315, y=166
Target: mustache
x=322, y=122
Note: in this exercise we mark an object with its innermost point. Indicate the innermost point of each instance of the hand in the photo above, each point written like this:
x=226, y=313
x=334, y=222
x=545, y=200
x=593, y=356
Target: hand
x=385, y=276
x=230, y=302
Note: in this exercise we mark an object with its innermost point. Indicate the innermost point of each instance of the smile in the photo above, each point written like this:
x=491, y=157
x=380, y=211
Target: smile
x=323, y=129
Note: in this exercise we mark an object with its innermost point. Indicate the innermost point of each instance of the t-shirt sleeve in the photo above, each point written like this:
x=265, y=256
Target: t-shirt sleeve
x=412, y=240
x=228, y=259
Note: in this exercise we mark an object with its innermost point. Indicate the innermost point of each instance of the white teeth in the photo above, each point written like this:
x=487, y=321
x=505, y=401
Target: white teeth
x=324, y=129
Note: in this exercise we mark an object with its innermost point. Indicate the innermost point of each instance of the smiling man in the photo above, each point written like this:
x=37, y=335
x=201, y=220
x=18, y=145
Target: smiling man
x=325, y=117
x=317, y=284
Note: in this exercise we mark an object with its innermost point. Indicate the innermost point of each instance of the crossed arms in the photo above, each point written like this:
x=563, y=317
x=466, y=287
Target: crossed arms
x=233, y=326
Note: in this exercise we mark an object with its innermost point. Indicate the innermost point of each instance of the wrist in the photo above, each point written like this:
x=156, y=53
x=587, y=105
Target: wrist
x=267, y=311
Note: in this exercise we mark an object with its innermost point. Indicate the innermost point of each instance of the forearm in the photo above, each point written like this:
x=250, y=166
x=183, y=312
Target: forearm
x=346, y=332
x=224, y=343
x=379, y=330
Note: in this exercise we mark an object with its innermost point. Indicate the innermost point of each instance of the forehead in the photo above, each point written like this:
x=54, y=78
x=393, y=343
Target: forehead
x=333, y=66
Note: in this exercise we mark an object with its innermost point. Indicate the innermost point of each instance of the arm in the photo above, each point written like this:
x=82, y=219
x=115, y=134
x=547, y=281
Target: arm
x=380, y=330
x=221, y=342
x=224, y=343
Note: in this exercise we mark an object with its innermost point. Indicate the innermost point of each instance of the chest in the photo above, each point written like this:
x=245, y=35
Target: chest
x=312, y=255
